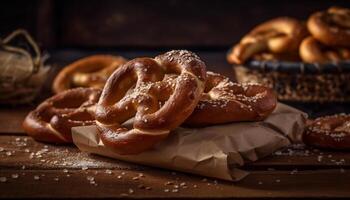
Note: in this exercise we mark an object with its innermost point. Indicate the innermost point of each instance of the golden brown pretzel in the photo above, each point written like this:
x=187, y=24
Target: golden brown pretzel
x=312, y=51
x=138, y=89
x=91, y=71
x=224, y=101
x=331, y=27
x=276, y=57
x=53, y=119
x=329, y=132
x=280, y=35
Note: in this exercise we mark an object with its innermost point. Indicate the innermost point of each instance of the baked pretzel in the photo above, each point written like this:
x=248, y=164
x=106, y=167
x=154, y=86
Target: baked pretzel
x=312, y=51
x=53, y=119
x=91, y=71
x=224, y=101
x=138, y=89
x=329, y=132
x=279, y=35
x=331, y=27
x=276, y=57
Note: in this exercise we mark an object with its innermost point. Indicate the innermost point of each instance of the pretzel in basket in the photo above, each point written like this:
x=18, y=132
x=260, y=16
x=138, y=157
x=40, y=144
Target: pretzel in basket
x=53, y=119
x=331, y=27
x=280, y=35
x=276, y=57
x=329, y=132
x=157, y=107
x=312, y=51
x=224, y=101
x=91, y=71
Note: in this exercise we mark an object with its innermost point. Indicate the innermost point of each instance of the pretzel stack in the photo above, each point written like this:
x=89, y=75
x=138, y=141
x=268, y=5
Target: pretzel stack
x=159, y=94
x=302, y=61
x=325, y=38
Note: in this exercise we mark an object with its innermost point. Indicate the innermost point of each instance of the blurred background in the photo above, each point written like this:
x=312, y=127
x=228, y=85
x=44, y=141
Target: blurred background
x=70, y=29
x=151, y=24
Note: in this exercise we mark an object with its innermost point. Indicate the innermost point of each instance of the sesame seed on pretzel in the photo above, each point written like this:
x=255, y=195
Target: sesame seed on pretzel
x=140, y=89
x=224, y=101
x=331, y=132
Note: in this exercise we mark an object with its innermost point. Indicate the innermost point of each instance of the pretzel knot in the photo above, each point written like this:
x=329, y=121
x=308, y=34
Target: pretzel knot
x=53, y=119
x=331, y=27
x=280, y=35
x=312, y=51
x=329, y=132
x=92, y=71
x=224, y=101
x=157, y=105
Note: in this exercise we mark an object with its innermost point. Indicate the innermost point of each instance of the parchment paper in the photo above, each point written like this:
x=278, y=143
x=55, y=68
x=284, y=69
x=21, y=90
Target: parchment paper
x=214, y=151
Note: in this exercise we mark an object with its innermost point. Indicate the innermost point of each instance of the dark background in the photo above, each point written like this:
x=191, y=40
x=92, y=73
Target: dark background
x=147, y=24
x=70, y=29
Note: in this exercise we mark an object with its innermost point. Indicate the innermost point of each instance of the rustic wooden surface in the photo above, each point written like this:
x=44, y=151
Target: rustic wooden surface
x=29, y=169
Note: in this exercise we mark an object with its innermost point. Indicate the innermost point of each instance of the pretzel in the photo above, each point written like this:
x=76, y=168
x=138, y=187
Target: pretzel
x=312, y=51
x=331, y=27
x=224, y=101
x=157, y=107
x=279, y=35
x=91, y=71
x=276, y=56
x=53, y=119
x=329, y=132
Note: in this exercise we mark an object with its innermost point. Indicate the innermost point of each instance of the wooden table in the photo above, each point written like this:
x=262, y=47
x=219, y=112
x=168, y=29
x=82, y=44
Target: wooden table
x=29, y=169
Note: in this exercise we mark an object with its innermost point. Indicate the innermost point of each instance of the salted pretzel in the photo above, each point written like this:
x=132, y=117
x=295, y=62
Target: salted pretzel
x=91, y=71
x=138, y=89
x=224, y=101
x=331, y=27
x=312, y=51
x=329, y=132
x=279, y=35
x=53, y=119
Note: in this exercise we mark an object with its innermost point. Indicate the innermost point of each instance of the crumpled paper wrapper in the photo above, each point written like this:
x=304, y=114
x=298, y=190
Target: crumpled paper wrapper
x=214, y=151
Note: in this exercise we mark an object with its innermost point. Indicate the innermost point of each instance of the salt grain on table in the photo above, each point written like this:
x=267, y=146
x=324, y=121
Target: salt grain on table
x=14, y=176
x=3, y=179
x=169, y=183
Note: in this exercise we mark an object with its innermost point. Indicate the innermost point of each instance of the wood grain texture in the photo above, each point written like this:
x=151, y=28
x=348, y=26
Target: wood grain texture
x=295, y=172
x=77, y=184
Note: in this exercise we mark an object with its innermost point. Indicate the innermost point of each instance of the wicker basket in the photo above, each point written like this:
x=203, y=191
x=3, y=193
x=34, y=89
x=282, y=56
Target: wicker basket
x=297, y=81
